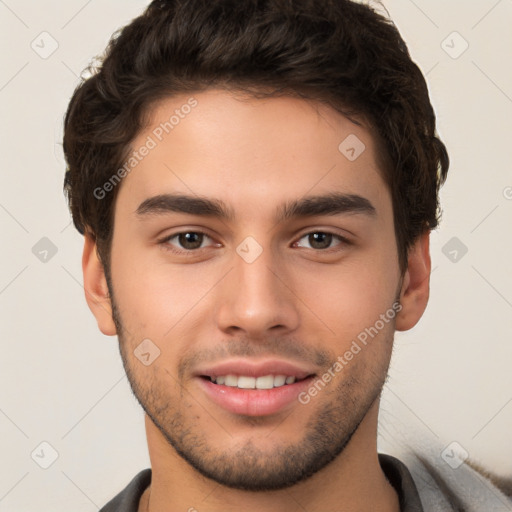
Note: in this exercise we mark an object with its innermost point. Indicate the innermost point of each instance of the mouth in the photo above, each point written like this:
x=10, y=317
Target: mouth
x=254, y=389
x=249, y=382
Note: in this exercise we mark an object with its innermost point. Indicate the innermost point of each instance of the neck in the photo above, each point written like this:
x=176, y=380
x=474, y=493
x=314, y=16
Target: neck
x=353, y=482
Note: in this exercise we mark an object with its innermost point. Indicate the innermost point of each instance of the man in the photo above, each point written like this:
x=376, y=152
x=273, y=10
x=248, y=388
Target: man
x=256, y=182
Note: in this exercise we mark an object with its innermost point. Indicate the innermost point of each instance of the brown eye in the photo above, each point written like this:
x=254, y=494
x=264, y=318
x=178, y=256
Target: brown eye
x=321, y=240
x=184, y=242
x=190, y=240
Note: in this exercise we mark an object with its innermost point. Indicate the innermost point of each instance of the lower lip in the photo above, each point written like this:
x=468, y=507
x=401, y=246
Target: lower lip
x=254, y=402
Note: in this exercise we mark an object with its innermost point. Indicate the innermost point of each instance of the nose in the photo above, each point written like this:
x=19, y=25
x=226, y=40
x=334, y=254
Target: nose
x=256, y=298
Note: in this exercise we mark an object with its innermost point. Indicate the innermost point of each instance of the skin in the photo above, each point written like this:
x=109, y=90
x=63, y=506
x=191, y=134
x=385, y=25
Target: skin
x=296, y=301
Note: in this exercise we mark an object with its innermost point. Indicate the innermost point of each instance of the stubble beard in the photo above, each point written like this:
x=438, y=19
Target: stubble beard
x=327, y=433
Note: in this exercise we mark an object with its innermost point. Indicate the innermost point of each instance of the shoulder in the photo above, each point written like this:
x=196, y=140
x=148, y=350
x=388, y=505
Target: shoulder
x=128, y=499
x=441, y=487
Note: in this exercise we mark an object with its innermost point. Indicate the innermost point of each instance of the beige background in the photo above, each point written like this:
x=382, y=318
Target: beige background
x=61, y=380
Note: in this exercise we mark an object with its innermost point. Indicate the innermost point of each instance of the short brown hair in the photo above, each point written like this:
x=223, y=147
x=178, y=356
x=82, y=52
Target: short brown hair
x=339, y=52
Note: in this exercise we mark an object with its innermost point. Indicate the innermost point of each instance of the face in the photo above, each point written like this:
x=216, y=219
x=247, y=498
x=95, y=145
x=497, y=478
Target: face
x=267, y=296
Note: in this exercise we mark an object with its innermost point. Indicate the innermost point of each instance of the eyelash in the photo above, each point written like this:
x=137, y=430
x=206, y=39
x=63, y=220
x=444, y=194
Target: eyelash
x=166, y=246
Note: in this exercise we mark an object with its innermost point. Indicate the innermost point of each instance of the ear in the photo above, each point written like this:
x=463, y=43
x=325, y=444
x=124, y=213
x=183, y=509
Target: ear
x=415, y=289
x=96, y=289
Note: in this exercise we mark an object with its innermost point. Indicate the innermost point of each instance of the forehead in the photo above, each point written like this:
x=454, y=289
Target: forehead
x=250, y=152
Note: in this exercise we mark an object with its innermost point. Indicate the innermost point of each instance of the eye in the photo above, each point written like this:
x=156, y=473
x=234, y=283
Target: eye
x=187, y=240
x=321, y=240
x=192, y=241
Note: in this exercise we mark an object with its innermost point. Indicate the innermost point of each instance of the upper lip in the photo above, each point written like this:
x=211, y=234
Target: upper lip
x=255, y=368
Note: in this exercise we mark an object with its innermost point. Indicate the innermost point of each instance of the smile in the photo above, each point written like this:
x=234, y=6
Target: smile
x=248, y=382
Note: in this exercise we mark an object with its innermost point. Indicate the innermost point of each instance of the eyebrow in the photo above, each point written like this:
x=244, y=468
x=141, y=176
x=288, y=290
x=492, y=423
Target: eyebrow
x=310, y=206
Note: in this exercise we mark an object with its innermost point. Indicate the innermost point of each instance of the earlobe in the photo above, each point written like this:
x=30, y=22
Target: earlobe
x=415, y=289
x=96, y=289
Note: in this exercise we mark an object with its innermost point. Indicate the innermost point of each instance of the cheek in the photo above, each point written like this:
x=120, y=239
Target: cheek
x=349, y=297
x=153, y=296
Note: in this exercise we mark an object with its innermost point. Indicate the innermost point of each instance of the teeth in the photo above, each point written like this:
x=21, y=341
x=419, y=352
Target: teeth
x=266, y=382
x=231, y=380
x=279, y=380
x=246, y=382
